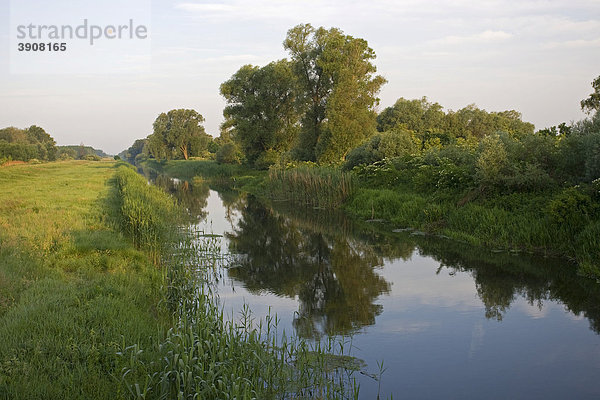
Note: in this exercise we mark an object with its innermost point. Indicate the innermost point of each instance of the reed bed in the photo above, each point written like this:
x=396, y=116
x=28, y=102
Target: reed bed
x=205, y=355
x=320, y=187
x=143, y=212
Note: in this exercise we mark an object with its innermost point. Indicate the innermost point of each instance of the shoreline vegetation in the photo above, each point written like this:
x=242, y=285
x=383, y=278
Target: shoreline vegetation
x=553, y=222
x=103, y=296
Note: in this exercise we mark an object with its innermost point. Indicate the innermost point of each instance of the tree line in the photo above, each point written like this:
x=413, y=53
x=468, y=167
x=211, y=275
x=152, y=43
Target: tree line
x=319, y=105
x=26, y=144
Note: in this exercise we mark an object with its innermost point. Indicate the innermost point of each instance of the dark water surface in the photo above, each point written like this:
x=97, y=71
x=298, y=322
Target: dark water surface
x=447, y=320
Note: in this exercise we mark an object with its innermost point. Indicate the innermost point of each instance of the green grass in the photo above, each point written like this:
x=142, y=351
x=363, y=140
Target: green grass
x=72, y=291
x=515, y=222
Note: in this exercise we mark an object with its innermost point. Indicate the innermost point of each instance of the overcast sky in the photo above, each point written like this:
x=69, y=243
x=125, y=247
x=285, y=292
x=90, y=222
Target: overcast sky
x=538, y=57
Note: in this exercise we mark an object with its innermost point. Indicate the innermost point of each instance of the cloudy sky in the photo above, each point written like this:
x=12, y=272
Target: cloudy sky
x=538, y=57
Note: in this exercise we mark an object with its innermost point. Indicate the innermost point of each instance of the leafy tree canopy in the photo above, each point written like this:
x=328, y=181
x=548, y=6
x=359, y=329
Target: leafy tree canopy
x=176, y=133
x=261, y=115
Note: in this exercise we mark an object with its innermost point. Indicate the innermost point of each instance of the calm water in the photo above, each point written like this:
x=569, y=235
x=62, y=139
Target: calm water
x=447, y=320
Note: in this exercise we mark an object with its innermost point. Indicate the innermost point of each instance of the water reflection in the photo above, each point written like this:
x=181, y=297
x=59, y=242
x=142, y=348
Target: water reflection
x=191, y=197
x=448, y=319
x=330, y=264
x=333, y=277
x=501, y=278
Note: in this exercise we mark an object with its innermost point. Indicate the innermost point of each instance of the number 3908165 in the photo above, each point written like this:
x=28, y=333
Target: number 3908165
x=42, y=46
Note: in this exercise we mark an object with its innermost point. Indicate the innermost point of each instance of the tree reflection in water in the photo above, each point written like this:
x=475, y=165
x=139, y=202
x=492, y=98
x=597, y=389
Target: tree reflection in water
x=193, y=198
x=333, y=276
x=330, y=264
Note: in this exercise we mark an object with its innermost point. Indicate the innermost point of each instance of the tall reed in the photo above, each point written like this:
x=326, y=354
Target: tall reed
x=143, y=212
x=320, y=187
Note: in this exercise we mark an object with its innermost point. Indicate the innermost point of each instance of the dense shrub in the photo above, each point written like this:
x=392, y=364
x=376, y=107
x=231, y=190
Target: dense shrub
x=384, y=145
x=229, y=153
x=572, y=207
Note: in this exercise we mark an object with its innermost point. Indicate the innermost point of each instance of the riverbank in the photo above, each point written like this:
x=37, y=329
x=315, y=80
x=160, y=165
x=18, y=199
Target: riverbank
x=555, y=223
x=103, y=296
x=73, y=292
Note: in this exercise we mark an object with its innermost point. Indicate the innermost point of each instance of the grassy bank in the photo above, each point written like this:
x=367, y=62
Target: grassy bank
x=520, y=222
x=72, y=291
x=103, y=296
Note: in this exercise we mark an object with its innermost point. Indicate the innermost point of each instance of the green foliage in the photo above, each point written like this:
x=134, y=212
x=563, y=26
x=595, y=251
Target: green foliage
x=27, y=144
x=588, y=250
x=337, y=91
x=592, y=103
x=92, y=157
x=261, y=114
x=267, y=159
x=229, y=153
x=78, y=152
x=492, y=162
x=423, y=117
x=138, y=147
x=321, y=187
x=66, y=154
x=578, y=153
x=178, y=134
x=18, y=151
x=572, y=207
x=383, y=145
x=417, y=115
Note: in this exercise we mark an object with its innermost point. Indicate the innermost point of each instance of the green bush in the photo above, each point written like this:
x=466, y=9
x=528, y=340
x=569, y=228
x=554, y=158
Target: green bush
x=267, y=159
x=229, y=153
x=383, y=145
x=571, y=207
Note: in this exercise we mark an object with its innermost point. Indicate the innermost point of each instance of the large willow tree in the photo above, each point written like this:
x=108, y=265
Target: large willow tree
x=260, y=114
x=178, y=133
x=337, y=91
x=320, y=104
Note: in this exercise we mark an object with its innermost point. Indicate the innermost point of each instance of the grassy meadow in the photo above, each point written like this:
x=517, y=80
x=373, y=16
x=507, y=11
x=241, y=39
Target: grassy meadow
x=72, y=291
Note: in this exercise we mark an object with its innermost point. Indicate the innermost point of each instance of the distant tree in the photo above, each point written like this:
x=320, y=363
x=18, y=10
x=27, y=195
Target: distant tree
x=417, y=115
x=229, y=153
x=46, y=143
x=177, y=130
x=592, y=103
x=66, y=153
x=81, y=151
x=493, y=161
x=26, y=144
x=136, y=148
